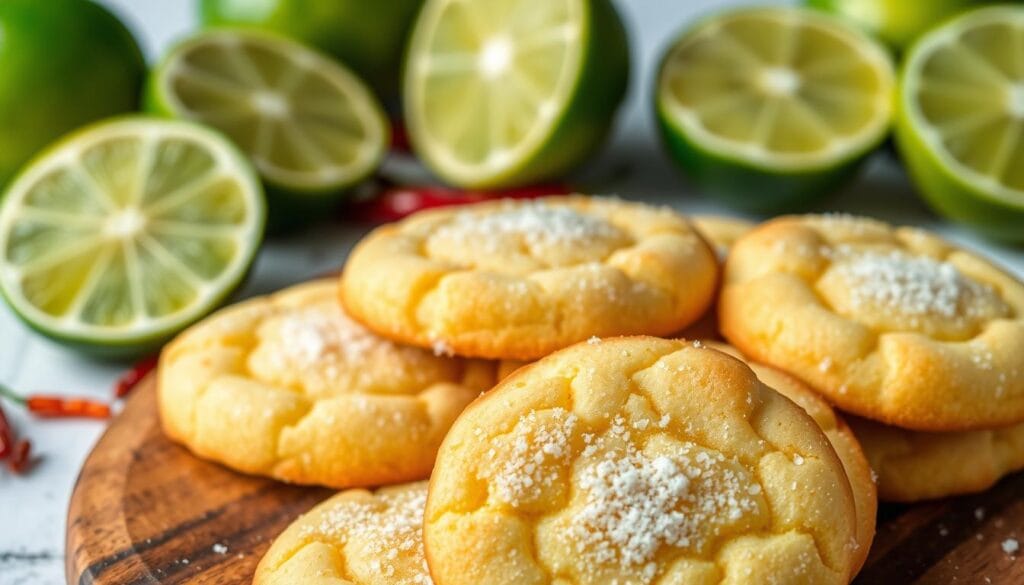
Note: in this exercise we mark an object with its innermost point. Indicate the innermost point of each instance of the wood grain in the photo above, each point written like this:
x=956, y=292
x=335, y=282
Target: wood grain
x=146, y=511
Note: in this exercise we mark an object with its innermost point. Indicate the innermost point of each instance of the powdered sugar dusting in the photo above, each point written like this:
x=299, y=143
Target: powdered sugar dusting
x=307, y=336
x=389, y=526
x=536, y=223
x=533, y=446
x=914, y=286
x=635, y=503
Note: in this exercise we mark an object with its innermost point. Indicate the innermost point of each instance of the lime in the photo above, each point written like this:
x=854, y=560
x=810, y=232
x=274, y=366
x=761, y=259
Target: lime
x=960, y=120
x=501, y=93
x=63, y=63
x=311, y=127
x=125, y=232
x=367, y=36
x=896, y=22
x=769, y=108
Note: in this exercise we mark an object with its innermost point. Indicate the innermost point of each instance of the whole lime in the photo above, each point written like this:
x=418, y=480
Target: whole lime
x=63, y=63
x=366, y=35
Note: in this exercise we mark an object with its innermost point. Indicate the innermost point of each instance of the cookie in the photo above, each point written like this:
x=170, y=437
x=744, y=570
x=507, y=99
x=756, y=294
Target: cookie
x=915, y=465
x=721, y=230
x=892, y=324
x=288, y=387
x=638, y=460
x=356, y=537
x=518, y=280
x=843, y=440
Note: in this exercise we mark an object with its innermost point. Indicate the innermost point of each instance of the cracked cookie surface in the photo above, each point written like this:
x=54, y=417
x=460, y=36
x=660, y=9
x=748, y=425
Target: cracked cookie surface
x=289, y=387
x=518, y=280
x=638, y=460
x=356, y=537
x=892, y=324
x=842, y=438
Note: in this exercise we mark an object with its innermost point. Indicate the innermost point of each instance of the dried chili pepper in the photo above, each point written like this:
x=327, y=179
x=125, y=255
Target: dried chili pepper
x=20, y=458
x=45, y=406
x=128, y=380
x=6, y=435
x=397, y=202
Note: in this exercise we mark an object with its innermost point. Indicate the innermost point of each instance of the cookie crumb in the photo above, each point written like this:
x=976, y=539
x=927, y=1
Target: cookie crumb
x=979, y=513
x=219, y=548
x=594, y=340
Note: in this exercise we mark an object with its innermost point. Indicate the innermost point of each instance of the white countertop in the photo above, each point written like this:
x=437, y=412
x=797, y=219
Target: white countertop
x=33, y=508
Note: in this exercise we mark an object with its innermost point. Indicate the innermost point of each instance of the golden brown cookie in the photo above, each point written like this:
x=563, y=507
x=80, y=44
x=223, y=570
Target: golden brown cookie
x=892, y=324
x=858, y=471
x=721, y=230
x=354, y=538
x=289, y=387
x=641, y=460
x=916, y=465
x=518, y=280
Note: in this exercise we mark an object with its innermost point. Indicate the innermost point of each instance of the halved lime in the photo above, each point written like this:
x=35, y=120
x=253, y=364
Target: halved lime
x=896, y=22
x=311, y=127
x=960, y=122
x=772, y=107
x=501, y=93
x=123, y=233
x=365, y=35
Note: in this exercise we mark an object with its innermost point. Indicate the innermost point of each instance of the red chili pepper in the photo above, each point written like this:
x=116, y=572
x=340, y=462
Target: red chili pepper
x=58, y=406
x=6, y=435
x=128, y=380
x=398, y=202
x=400, y=137
x=20, y=457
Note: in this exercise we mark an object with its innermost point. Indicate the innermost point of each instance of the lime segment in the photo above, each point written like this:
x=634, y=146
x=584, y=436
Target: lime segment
x=310, y=126
x=961, y=121
x=773, y=100
x=126, y=232
x=493, y=87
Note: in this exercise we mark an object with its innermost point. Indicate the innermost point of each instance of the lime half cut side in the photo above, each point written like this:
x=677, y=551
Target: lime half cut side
x=312, y=128
x=772, y=107
x=960, y=126
x=501, y=93
x=124, y=233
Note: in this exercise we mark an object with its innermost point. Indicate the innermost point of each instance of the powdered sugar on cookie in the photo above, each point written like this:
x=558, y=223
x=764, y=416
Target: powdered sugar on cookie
x=633, y=503
x=522, y=471
x=388, y=527
x=307, y=336
x=535, y=223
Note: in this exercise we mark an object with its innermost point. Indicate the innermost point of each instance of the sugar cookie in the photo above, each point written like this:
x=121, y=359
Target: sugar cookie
x=640, y=460
x=843, y=440
x=892, y=324
x=287, y=386
x=354, y=538
x=518, y=280
x=915, y=465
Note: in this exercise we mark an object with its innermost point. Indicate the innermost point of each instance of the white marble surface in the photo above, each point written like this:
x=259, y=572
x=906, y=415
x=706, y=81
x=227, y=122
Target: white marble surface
x=33, y=508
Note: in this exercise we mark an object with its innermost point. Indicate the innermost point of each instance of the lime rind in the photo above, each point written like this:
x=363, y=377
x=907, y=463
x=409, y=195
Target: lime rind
x=136, y=335
x=355, y=112
x=573, y=121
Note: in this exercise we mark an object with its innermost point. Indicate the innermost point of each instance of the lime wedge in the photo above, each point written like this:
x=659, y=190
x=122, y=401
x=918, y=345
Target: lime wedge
x=769, y=108
x=960, y=124
x=124, y=233
x=311, y=127
x=501, y=93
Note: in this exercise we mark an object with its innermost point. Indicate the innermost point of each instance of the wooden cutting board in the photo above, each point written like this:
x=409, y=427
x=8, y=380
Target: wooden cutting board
x=146, y=511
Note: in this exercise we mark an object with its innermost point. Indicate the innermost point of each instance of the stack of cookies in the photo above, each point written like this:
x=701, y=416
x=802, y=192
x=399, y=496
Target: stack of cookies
x=515, y=354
